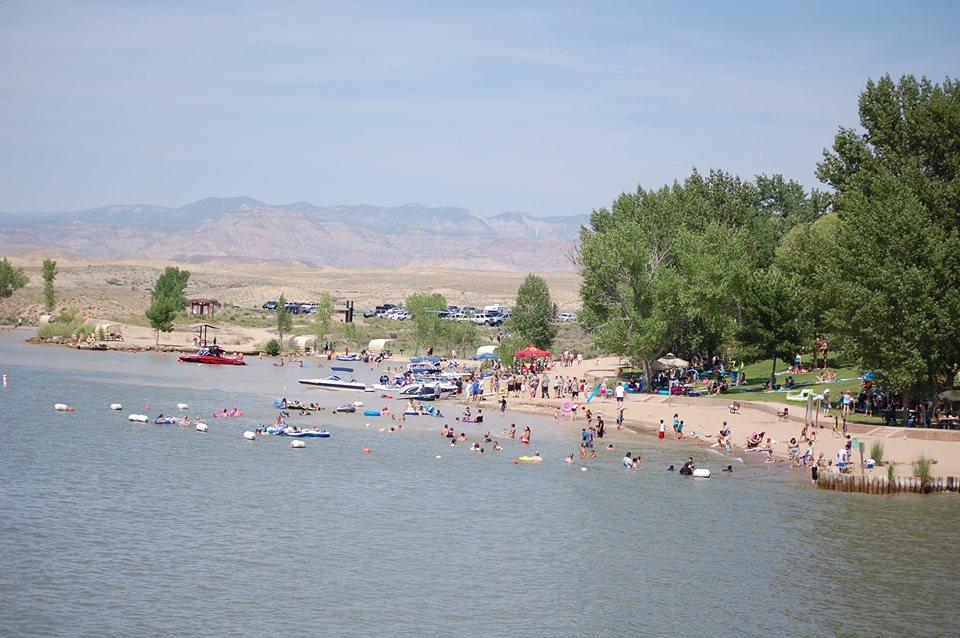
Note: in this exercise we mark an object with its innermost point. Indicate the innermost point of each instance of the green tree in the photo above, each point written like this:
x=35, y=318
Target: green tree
x=167, y=299
x=49, y=274
x=284, y=318
x=773, y=318
x=429, y=328
x=11, y=279
x=533, y=315
x=323, y=317
x=897, y=197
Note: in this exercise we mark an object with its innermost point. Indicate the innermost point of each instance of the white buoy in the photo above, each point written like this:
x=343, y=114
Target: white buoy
x=249, y=435
x=60, y=407
x=701, y=472
x=368, y=425
x=182, y=406
x=439, y=457
x=583, y=469
x=139, y=418
x=201, y=427
x=116, y=406
x=358, y=404
x=297, y=444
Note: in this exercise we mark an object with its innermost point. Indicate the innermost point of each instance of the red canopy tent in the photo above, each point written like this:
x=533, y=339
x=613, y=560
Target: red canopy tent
x=531, y=352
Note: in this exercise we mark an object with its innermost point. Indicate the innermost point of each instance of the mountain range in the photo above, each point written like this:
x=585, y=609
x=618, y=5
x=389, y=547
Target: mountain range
x=362, y=236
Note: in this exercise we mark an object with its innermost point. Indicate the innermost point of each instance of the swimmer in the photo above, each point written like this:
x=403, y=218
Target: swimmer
x=497, y=447
x=609, y=446
x=628, y=460
x=487, y=438
x=463, y=437
x=670, y=469
x=729, y=468
x=569, y=459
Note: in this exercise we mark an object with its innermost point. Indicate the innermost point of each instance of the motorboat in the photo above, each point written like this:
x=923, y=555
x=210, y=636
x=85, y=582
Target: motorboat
x=333, y=382
x=212, y=355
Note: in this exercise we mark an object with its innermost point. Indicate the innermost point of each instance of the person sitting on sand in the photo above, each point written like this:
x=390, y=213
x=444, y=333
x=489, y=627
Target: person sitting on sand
x=755, y=440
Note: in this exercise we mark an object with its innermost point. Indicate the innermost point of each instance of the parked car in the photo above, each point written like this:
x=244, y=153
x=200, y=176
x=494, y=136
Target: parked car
x=366, y=314
x=469, y=310
x=566, y=317
x=486, y=320
x=308, y=308
x=270, y=305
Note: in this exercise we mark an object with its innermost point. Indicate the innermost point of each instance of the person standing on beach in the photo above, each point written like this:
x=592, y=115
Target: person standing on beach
x=619, y=391
x=661, y=431
x=620, y=418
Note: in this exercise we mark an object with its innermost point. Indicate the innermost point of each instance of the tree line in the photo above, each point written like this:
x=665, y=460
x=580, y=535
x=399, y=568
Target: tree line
x=756, y=269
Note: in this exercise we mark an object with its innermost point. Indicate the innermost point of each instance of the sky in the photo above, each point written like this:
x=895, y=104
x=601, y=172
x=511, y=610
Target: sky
x=550, y=108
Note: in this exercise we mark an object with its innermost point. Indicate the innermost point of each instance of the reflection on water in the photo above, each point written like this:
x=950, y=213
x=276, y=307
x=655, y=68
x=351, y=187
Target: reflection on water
x=114, y=528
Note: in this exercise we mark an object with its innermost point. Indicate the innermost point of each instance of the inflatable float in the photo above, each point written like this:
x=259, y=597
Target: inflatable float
x=308, y=434
x=298, y=445
x=182, y=406
x=701, y=472
x=348, y=409
x=249, y=435
x=62, y=407
x=139, y=418
x=166, y=420
x=201, y=427
x=371, y=413
x=116, y=406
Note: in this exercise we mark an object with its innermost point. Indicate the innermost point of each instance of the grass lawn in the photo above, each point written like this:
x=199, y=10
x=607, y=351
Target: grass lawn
x=757, y=374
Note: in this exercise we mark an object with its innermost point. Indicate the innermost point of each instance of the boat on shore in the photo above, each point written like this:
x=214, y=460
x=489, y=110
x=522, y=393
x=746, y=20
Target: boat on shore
x=212, y=355
x=333, y=382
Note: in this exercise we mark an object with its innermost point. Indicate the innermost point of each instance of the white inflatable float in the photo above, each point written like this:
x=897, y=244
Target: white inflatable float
x=116, y=406
x=139, y=418
x=298, y=444
x=182, y=406
x=61, y=407
x=701, y=472
x=201, y=427
x=358, y=404
x=249, y=435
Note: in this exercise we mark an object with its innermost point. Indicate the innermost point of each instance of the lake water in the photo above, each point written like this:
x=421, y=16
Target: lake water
x=110, y=528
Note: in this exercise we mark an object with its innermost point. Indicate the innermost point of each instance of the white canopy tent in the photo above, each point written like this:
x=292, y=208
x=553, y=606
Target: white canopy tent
x=376, y=346
x=486, y=350
x=671, y=360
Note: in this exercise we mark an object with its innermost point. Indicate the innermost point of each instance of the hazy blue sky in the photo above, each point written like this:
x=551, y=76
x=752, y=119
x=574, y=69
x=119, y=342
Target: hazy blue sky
x=545, y=107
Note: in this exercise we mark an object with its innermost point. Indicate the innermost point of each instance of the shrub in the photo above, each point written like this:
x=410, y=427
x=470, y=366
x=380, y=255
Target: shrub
x=876, y=451
x=922, y=468
x=68, y=325
x=890, y=473
x=272, y=347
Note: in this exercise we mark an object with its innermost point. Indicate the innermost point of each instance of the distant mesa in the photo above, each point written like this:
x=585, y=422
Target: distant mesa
x=346, y=236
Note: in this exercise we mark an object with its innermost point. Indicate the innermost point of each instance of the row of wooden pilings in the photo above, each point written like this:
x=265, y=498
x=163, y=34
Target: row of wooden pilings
x=880, y=485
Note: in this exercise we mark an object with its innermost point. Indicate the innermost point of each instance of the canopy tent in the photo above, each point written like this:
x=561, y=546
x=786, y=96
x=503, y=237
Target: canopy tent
x=108, y=327
x=953, y=396
x=376, y=346
x=486, y=356
x=671, y=360
x=302, y=342
x=486, y=350
x=532, y=352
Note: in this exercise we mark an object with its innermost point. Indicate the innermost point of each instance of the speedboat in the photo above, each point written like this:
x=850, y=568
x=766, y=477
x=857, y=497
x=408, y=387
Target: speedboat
x=333, y=382
x=307, y=434
x=212, y=355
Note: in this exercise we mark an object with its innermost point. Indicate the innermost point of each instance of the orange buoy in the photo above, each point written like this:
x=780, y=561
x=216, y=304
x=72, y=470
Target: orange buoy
x=366, y=450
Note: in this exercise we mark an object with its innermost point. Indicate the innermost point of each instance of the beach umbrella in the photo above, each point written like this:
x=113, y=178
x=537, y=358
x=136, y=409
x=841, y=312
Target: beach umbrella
x=671, y=360
x=531, y=352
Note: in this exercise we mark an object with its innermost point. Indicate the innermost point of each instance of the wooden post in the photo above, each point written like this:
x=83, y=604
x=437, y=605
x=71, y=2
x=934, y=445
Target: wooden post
x=861, y=457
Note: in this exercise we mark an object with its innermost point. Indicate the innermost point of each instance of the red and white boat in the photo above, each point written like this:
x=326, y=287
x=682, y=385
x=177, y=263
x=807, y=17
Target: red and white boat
x=212, y=355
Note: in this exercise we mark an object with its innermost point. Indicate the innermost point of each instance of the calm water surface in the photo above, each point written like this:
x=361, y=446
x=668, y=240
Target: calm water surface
x=109, y=528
